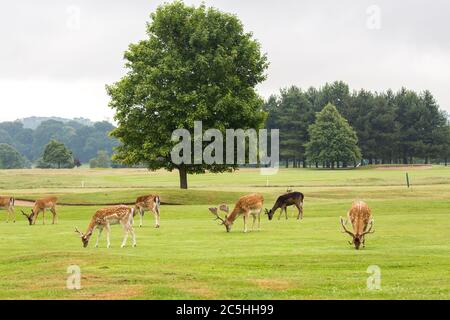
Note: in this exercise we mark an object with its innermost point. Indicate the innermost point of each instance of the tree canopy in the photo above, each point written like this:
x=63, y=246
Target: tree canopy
x=197, y=63
x=332, y=140
x=57, y=154
x=10, y=158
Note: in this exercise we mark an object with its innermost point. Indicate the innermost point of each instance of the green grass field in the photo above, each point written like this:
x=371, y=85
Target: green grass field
x=192, y=257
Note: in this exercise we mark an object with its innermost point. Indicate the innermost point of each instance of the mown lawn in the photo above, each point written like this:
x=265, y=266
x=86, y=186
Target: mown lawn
x=191, y=257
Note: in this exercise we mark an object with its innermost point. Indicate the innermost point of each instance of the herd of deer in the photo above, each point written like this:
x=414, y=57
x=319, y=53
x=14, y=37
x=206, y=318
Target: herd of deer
x=359, y=215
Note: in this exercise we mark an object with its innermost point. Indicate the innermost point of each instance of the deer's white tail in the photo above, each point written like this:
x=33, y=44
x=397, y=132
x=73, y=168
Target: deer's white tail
x=158, y=201
x=11, y=201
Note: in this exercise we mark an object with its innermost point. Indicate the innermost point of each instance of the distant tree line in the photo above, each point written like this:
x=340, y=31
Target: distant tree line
x=391, y=127
x=82, y=141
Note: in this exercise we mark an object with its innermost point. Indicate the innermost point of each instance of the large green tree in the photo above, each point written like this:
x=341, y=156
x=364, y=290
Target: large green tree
x=332, y=139
x=57, y=154
x=197, y=63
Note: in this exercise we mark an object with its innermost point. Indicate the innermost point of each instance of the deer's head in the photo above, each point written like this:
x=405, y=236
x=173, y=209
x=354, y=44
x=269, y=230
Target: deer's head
x=84, y=237
x=225, y=221
x=269, y=213
x=357, y=238
x=29, y=216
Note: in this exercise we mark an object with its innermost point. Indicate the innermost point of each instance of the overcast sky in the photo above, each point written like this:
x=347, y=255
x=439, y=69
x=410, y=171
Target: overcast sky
x=56, y=56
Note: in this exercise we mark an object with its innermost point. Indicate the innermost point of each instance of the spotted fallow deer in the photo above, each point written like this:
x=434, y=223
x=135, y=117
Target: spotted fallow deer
x=285, y=200
x=8, y=204
x=42, y=205
x=360, y=217
x=247, y=205
x=104, y=218
x=150, y=202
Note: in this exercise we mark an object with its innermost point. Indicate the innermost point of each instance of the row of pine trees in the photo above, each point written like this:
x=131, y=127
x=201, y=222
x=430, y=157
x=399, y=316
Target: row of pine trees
x=390, y=127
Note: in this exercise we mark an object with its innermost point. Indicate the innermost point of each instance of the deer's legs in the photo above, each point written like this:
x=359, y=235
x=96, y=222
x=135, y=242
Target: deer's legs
x=108, y=242
x=300, y=211
x=11, y=212
x=285, y=212
x=125, y=237
x=157, y=217
x=254, y=220
x=141, y=215
x=127, y=229
x=55, y=217
x=35, y=215
x=245, y=222
x=14, y=215
x=98, y=236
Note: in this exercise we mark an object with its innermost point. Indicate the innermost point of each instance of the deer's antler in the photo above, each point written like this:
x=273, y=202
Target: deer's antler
x=78, y=231
x=345, y=229
x=26, y=215
x=224, y=208
x=214, y=212
x=370, y=229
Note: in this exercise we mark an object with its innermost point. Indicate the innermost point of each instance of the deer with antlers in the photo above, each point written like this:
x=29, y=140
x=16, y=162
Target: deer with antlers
x=104, y=218
x=8, y=204
x=150, y=202
x=42, y=205
x=361, y=219
x=247, y=205
x=285, y=200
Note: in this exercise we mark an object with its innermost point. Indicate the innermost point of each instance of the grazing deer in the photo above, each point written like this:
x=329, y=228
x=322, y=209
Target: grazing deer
x=360, y=217
x=106, y=217
x=246, y=205
x=286, y=200
x=151, y=202
x=42, y=205
x=8, y=204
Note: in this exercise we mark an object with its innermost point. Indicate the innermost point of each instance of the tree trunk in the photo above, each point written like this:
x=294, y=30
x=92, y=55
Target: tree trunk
x=183, y=177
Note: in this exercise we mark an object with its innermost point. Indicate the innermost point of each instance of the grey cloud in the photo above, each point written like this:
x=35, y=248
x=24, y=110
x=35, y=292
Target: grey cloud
x=308, y=42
